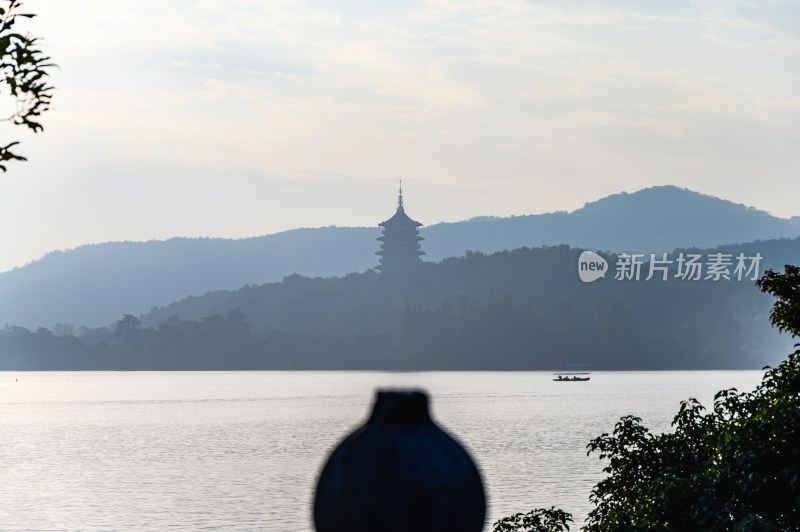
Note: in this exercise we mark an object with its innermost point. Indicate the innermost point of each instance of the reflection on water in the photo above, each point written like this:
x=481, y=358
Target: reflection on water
x=241, y=450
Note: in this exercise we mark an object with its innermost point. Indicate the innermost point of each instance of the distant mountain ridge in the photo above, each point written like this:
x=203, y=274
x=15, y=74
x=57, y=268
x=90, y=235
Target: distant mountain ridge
x=94, y=284
x=656, y=219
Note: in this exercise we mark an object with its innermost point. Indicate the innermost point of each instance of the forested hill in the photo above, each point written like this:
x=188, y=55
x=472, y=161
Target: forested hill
x=523, y=309
x=91, y=284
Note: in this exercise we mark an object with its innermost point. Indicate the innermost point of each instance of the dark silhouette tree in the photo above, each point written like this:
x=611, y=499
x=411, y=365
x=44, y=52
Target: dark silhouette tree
x=23, y=74
x=127, y=329
x=785, y=314
x=539, y=520
x=735, y=468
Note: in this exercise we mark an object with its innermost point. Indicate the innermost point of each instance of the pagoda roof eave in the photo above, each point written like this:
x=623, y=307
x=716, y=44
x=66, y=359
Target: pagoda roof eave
x=400, y=218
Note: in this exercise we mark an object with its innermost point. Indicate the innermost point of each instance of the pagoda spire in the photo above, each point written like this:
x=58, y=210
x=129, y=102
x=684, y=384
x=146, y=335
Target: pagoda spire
x=400, y=196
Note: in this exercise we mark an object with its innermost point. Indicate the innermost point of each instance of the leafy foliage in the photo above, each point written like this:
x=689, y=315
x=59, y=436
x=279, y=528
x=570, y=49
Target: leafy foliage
x=24, y=71
x=538, y=520
x=785, y=286
x=735, y=468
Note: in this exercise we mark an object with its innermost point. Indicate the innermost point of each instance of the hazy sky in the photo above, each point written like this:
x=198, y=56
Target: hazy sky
x=245, y=117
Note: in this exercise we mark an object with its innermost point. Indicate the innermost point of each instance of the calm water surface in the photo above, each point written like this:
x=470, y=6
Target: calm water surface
x=241, y=450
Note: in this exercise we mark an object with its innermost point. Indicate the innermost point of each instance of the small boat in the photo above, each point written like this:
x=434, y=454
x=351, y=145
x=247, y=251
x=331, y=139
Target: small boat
x=569, y=376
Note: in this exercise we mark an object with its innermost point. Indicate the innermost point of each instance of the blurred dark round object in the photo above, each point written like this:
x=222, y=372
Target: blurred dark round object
x=399, y=472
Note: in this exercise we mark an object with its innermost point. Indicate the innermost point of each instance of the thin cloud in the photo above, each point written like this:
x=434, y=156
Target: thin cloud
x=506, y=97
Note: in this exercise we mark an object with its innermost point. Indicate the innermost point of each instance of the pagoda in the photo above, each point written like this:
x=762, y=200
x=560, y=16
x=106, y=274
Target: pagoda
x=400, y=249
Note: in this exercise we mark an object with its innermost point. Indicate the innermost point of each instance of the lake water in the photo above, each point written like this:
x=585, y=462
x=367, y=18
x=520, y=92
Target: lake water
x=241, y=450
